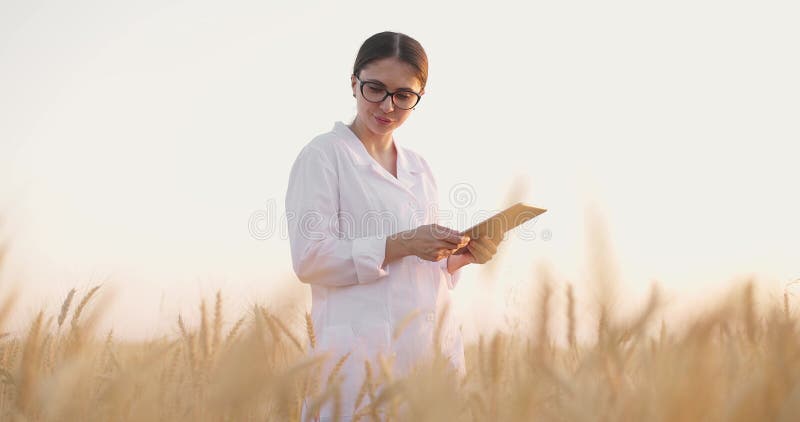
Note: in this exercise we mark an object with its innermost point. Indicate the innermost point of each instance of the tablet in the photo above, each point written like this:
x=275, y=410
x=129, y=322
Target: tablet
x=496, y=226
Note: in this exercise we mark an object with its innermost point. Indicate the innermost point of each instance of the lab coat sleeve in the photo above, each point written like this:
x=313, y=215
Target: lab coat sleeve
x=452, y=279
x=320, y=254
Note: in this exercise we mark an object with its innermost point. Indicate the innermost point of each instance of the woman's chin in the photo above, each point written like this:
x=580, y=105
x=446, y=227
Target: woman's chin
x=381, y=129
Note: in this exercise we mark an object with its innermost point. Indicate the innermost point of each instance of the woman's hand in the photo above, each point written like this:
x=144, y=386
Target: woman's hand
x=433, y=242
x=480, y=250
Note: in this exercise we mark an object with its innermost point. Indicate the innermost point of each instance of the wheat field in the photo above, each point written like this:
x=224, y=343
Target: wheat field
x=736, y=362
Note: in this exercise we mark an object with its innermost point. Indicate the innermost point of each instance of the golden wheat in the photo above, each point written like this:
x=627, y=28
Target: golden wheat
x=739, y=361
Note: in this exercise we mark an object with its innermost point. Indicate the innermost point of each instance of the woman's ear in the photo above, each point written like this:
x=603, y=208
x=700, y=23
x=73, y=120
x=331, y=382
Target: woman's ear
x=353, y=84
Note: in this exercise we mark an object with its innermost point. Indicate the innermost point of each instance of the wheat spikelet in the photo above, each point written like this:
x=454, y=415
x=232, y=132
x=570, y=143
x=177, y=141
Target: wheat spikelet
x=217, y=322
x=204, y=335
x=370, y=390
x=482, y=367
x=437, y=333
x=312, y=337
x=47, y=346
x=311, y=385
x=271, y=325
x=184, y=333
x=362, y=391
x=786, y=305
x=334, y=384
x=259, y=320
x=106, y=360
x=169, y=371
x=12, y=357
x=191, y=349
x=639, y=324
x=166, y=382
x=232, y=333
x=388, y=376
x=496, y=356
x=79, y=309
x=7, y=306
x=386, y=368
x=29, y=367
x=571, y=339
x=4, y=353
x=602, y=326
x=285, y=331
x=182, y=327
x=542, y=336
x=748, y=298
x=337, y=368
x=404, y=323
x=191, y=344
x=317, y=403
x=65, y=307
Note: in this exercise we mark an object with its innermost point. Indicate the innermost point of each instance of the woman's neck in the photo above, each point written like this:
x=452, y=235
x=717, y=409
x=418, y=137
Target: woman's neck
x=376, y=145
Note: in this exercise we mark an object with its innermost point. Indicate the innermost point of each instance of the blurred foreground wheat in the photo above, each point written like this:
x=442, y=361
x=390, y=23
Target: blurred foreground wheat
x=735, y=363
x=731, y=364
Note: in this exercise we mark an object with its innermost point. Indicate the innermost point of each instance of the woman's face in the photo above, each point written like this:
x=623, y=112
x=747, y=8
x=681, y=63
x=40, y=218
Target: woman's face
x=394, y=75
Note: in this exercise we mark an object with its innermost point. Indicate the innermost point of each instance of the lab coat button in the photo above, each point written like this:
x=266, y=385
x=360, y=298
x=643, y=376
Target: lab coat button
x=430, y=316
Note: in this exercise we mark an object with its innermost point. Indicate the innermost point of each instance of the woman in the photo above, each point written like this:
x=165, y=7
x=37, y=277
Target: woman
x=362, y=213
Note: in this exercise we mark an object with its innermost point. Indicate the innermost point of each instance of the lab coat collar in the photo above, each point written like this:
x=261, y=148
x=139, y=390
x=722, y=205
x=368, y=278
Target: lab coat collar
x=407, y=166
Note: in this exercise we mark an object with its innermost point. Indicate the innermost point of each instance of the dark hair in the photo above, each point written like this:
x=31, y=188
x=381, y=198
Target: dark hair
x=393, y=44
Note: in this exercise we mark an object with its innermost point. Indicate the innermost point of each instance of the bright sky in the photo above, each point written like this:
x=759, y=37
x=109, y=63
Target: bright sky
x=137, y=140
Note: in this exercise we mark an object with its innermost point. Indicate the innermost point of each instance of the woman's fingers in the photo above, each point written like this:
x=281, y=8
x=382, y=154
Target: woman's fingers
x=477, y=255
x=483, y=249
x=452, y=247
x=479, y=251
x=447, y=234
x=488, y=244
x=435, y=242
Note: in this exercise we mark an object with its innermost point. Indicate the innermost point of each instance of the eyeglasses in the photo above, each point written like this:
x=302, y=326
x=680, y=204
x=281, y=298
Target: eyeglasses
x=376, y=93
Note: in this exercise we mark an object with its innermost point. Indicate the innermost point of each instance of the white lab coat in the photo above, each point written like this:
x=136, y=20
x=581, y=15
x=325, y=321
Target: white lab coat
x=340, y=206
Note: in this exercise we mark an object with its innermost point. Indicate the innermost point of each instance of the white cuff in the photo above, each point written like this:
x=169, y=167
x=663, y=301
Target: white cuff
x=452, y=279
x=368, y=256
